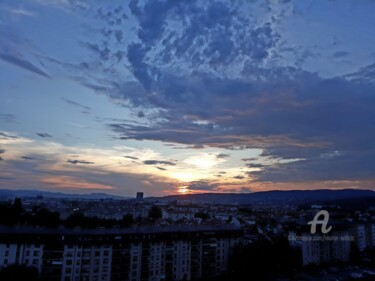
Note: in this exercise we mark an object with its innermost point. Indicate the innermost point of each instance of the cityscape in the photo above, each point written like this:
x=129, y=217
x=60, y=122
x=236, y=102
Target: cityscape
x=162, y=140
x=185, y=238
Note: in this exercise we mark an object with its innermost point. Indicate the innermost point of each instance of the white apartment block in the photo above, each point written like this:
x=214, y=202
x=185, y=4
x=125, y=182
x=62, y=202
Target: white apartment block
x=27, y=254
x=153, y=254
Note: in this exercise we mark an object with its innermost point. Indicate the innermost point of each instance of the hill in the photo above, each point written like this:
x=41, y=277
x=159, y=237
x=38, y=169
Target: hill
x=272, y=197
x=10, y=194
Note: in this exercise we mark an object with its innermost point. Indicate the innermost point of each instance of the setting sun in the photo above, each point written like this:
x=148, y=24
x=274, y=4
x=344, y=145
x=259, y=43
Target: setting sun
x=183, y=189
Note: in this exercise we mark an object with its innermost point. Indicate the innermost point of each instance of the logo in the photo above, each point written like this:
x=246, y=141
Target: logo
x=323, y=222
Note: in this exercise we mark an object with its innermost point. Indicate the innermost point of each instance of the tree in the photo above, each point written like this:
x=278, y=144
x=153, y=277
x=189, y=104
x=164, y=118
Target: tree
x=127, y=220
x=229, y=220
x=202, y=215
x=354, y=255
x=17, y=206
x=155, y=213
x=44, y=217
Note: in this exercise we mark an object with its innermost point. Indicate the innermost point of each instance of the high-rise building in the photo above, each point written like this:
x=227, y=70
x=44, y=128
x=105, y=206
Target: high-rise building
x=139, y=196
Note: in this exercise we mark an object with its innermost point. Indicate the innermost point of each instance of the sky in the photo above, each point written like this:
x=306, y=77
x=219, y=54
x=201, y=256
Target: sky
x=177, y=97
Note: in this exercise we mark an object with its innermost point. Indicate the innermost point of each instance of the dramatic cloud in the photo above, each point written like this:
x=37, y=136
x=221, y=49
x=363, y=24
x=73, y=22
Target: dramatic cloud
x=208, y=83
x=290, y=113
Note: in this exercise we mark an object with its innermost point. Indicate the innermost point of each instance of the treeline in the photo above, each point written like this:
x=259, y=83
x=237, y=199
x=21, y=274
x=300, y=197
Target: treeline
x=13, y=214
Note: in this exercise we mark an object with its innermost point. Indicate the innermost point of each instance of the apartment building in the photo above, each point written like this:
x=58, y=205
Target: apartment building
x=145, y=254
x=318, y=251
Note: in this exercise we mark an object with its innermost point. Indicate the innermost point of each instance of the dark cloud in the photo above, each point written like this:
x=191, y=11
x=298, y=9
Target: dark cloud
x=158, y=162
x=254, y=165
x=112, y=17
x=103, y=52
x=249, y=159
x=2, y=150
x=212, y=34
x=5, y=136
x=131, y=157
x=68, y=101
x=239, y=177
x=44, y=135
x=346, y=165
x=1, y=158
x=211, y=75
x=28, y=158
x=161, y=168
x=203, y=185
x=298, y=117
x=79, y=162
x=23, y=64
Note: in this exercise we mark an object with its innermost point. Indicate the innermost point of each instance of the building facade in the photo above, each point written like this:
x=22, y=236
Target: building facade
x=152, y=254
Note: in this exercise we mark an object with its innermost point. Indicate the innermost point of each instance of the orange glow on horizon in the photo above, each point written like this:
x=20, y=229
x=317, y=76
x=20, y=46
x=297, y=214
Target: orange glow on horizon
x=183, y=189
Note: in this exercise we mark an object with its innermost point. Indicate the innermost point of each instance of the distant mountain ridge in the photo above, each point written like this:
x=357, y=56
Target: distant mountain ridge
x=7, y=193
x=266, y=197
x=274, y=196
